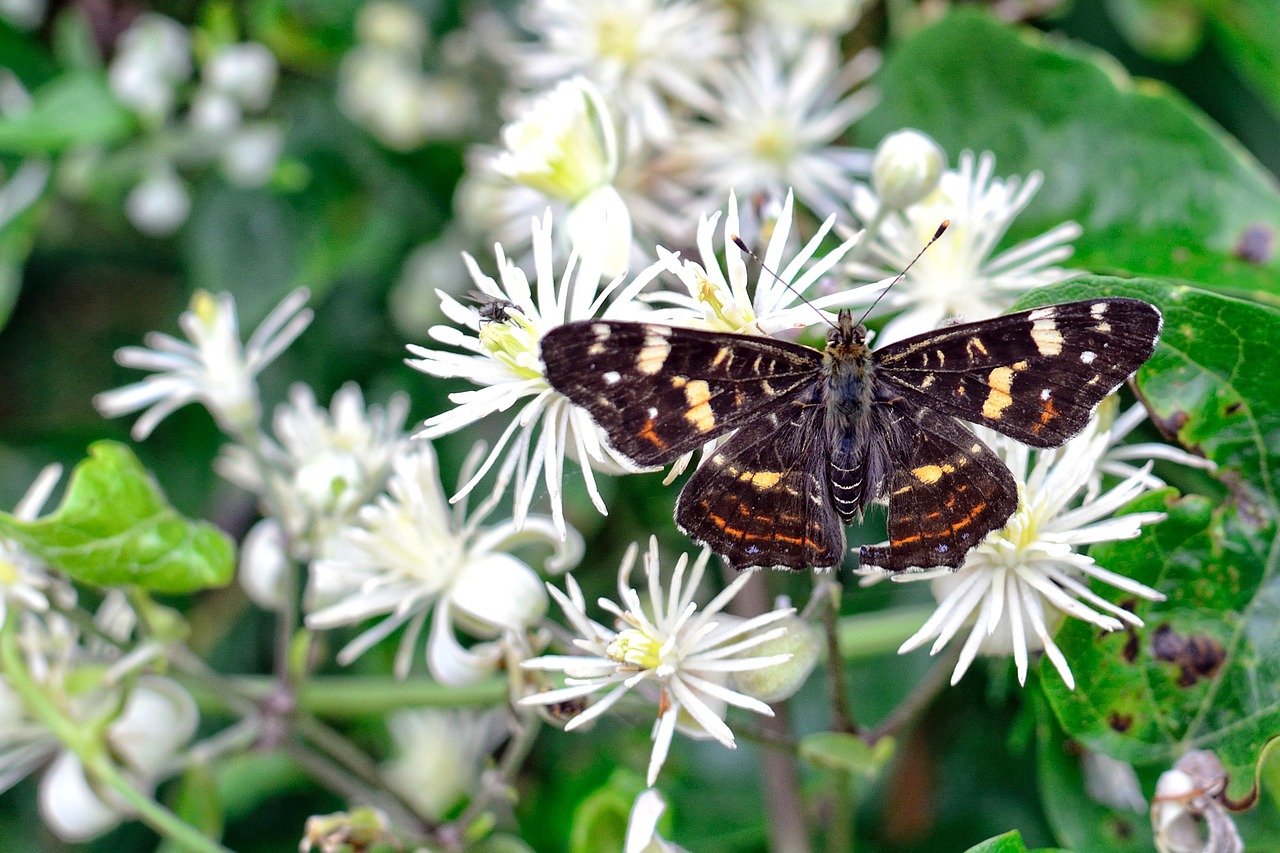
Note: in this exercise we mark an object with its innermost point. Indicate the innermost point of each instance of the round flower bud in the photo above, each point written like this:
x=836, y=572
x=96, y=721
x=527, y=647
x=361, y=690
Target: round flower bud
x=159, y=204
x=906, y=168
x=781, y=681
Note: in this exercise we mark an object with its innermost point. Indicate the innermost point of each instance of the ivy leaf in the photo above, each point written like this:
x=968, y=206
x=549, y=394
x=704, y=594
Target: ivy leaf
x=1157, y=187
x=114, y=527
x=1211, y=381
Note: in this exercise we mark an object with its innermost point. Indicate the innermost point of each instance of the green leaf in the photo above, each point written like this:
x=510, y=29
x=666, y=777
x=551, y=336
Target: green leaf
x=846, y=753
x=600, y=821
x=1157, y=187
x=1203, y=671
x=77, y=108
x=1080, y=822
x=114, y=527
x=1211, y=381
x=197, y=803
x=1010, y=842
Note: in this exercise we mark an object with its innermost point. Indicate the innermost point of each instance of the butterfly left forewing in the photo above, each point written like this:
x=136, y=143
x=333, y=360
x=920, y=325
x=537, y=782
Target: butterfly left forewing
x=1036, y=376
x=763, y=497
x=659, y=391
x=945, y=500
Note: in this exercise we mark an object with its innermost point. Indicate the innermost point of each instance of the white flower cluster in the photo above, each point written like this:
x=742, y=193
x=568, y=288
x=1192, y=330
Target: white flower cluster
x=151, y=73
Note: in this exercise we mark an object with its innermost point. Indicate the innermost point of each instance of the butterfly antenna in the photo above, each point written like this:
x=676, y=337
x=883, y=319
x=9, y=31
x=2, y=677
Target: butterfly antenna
x=898, y=278
x=737, y=241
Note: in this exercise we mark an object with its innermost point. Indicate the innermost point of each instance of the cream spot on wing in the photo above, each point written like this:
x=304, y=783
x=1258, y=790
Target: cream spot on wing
x=930, y=474
x=999, y=399
x=1048, y=339
x=942, y=359
x=611, y=377
x=1042, y=313
x=766, y=387
x=1044, y=395
x=721, y=356
x=655, y=350
x=1105, y=328
x=678, y=381
x=761, y=479
x=974, y=347
x=1097, y=309
x=928, y=380
x=698, y=395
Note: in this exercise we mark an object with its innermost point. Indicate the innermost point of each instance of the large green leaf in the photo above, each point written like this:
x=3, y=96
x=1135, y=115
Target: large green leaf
x=1212, y=379
x=115, y=527
x=1157, y=187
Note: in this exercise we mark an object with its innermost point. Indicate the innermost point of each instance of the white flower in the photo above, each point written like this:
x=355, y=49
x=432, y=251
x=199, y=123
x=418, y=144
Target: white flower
x=152, y=57
x=159, y=204
x=720, y=299
x=642, y=825
x=1018, y=585
x=680, y=655
x=392, y=26
x=503, y=358
x=408, y=556
x=328, y=463
x=643, y=54
x=773, y=123
x=565, y=147
x=25, y=582
x=213, y=369
x=158, y=719
x=439, y=756
x=832, y=16
x=958, y=277
x=81, y=677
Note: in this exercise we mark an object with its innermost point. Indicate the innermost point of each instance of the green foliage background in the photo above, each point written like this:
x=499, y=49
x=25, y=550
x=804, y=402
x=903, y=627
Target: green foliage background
x=1166, y=178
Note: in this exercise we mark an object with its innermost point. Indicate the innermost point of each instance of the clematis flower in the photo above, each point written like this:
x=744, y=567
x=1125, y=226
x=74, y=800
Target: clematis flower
x=669, y=650
x=407, y=557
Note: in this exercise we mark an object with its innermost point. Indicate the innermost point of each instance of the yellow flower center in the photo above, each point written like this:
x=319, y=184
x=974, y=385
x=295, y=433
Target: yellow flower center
x=636, y=648
x=514, y=342
x=8, y=573
x=616, y=38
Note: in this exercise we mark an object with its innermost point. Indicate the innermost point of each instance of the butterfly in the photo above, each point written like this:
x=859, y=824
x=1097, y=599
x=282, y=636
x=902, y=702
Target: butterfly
x=820, y=435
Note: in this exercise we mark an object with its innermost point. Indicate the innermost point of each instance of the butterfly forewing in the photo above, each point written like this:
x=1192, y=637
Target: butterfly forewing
x=763, y=497
x=659, y=392
x=1036, y=375
x=954, y=492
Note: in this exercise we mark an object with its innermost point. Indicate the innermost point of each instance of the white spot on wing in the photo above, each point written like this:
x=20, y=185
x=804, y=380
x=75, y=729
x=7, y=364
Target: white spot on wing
x=1088, y=357
x=612, y=377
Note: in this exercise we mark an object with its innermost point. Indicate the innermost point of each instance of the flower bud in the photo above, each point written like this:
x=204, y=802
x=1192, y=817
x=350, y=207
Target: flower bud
x=906, y=168
x=781, y=681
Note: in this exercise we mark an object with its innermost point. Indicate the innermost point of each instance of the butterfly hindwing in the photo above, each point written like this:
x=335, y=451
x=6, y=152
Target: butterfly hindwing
x=659, y=391
x=1036, y=375
x=763, y=497
x=952, y=493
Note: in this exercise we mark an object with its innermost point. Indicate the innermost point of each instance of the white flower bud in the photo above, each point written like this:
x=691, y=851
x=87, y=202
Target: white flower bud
x=263, y=563
x=152, y=57
x=213, y=113
x=246, y=72
x=906, y=168
x=391, y=26
x=782, y=680
x=249, y=158
x=159, y=204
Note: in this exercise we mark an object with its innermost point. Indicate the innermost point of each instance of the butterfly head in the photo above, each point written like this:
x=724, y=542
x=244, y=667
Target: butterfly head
x=846, y=338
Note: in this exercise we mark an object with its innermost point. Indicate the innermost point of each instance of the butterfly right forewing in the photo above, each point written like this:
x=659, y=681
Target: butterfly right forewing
x=1036, y=375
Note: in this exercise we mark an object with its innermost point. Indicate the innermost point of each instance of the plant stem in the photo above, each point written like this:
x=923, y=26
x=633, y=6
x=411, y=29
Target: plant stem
x=350, y=697
x=841, y=714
